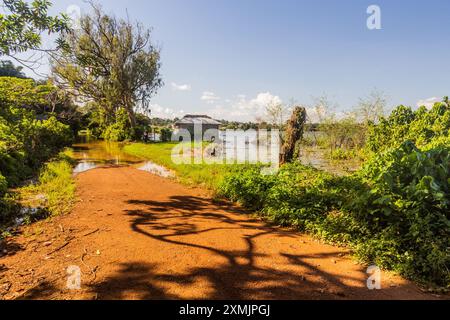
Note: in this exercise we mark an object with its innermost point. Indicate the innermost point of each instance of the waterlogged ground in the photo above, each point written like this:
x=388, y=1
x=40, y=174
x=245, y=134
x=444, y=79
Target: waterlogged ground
x=97, y=154
x=319, y=159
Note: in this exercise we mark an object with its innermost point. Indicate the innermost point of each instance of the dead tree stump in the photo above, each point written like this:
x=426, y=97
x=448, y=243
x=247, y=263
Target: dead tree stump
x=294, y=135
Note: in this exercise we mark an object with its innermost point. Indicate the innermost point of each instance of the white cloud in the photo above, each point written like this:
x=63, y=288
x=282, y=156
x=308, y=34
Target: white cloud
x=209, y=97
x=263, y=100
x=181, y=87
x=243, y=109
x=158, y=111
x=428, y=103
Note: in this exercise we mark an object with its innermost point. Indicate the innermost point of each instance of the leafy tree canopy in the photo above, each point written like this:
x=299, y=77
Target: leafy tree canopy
x=111, y=62
x=22, y=24
x=23, y=93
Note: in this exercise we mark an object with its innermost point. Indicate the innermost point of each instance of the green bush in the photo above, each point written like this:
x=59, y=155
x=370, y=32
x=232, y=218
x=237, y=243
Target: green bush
x=3, y=185
x=394, y=212
x=26, y=143
x=408, y=211
x=120, y=129
x=247, y=186
x=421, y=127
x=46, y=138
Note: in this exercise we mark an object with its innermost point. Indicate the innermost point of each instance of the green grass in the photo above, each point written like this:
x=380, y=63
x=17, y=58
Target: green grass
x=55, y=189
x=53, y=194
x=209, y=176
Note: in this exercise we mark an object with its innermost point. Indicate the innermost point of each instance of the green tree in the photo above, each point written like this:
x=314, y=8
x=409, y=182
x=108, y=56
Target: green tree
x=25, y=141
x=8, y=69
x=23, y=23
x=111, y=62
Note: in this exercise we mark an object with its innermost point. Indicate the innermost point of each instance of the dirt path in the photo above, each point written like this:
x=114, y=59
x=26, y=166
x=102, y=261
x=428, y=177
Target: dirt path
x=138, y=236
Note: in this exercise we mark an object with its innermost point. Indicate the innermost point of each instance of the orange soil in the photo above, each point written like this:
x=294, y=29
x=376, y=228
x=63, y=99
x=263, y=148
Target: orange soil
x=138, y=236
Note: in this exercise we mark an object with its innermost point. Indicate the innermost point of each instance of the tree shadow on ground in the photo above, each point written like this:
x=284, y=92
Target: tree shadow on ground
x=240, y=276
x=43, y=291
x=181, y=222
x=8, y=247
x=133, y=281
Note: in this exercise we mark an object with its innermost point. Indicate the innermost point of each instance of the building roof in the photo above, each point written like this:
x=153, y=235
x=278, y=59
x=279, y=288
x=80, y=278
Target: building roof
x=197, y=119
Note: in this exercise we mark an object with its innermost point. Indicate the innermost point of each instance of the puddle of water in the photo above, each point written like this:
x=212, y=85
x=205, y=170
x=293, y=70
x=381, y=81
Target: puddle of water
x=156, y=169
x=84, y=166
x=96, y=154
x=25, y=214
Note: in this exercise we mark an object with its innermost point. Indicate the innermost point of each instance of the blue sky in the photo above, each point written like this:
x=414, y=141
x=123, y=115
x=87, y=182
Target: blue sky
x=228, y=57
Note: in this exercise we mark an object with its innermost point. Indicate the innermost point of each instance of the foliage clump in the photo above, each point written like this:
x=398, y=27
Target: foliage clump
x=27, y=139
x=422, y=127
x=394, y=212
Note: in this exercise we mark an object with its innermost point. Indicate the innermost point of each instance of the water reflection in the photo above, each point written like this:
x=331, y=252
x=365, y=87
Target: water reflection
x=85, y=166
x=96, y=154
x=155, y=169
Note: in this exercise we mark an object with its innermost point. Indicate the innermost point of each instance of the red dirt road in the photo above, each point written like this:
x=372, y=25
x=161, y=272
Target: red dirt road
x=138, y=236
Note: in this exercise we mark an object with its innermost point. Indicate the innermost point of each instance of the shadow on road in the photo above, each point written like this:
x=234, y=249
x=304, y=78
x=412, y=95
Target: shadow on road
x=241, y=276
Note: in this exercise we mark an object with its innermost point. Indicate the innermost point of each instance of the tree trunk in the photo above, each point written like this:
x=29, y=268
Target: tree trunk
x=130, y=110
x=132, y=119
x=294, y=135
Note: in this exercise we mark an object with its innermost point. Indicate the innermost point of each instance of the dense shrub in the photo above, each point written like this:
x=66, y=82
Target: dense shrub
x=407, y=211
x=421, y=127
x=25, y=142
x=395, y=212
x=45, y=139
x=297, y=195
x=119, y=130
x=248, y=187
